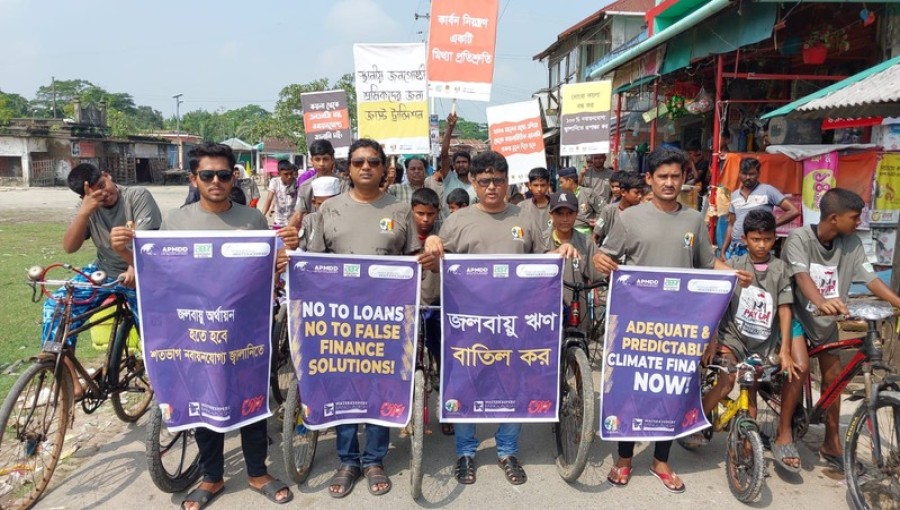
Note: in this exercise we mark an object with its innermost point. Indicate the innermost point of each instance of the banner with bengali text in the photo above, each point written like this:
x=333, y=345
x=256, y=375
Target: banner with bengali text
x=354, y=322
x=819, y=176
x=584, y=122
x=461, y=43
x=326, y=117
x=516, y=131
x=887, y=183
x=651, y=359
x=501, y=326
x=391, y=101
x=206, y=332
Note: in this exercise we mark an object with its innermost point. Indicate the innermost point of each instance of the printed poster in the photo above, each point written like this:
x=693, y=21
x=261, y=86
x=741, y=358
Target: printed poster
x=786, y=229
x=819, y=176
x=650, y=377
x=584, y=123
x=353, y=325
x=461, y=42
x=326, y=117
x=501, y=326
x=391, y=103
x=515, y=131
x=206, y=338
x=887, y=183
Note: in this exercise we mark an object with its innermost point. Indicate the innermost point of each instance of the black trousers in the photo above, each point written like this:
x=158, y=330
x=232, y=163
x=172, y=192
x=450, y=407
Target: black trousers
x=660, y=450
x=254, y=444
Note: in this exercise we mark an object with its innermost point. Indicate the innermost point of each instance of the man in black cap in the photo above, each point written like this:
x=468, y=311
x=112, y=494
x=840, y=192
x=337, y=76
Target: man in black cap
x=589, y=204
x=563, y=215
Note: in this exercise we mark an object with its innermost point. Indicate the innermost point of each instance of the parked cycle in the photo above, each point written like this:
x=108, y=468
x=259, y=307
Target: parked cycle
x=40, y=406
x=871, y=455
x=744, y=463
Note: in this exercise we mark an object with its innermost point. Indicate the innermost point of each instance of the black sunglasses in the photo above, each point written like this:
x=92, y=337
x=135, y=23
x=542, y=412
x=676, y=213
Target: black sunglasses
x=223, y=175
x=359, y=162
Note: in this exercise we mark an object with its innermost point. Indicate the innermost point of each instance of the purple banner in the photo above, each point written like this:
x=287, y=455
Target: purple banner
x=501, y=326
x=205, y=303
x=658, y=324
x=354, y=323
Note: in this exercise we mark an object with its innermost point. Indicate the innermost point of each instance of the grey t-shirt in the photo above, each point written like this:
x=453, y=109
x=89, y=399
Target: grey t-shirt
x=577, y=271
x=510, y=232
x=646, y=236
x=450, y=183
x=762, y=198
x=750, y=323
x=831, y=269
x=589, y=205
x=383, y=227
x=135, y=204
x=598, y=181
x=305, y=195
x=605, y=221
x=194, y=217
x=308, y=234
x=541, y=214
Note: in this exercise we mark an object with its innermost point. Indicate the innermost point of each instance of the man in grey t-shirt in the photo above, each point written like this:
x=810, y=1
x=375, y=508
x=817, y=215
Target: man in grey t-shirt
x=659, y=233
x=321, y=154
x=596, y=177
x=824, y=260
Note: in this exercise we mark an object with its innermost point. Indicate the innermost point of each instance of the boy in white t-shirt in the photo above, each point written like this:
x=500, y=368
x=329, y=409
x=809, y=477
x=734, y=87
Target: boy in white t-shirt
x=283, y=193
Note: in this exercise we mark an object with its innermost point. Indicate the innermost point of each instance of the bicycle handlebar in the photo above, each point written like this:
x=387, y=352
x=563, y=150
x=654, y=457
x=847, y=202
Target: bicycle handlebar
x=585, y=286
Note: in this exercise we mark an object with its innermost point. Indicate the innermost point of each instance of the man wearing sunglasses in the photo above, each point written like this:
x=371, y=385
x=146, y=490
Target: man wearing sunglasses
x=212, y=173
x=492, y=226
x=321, y=154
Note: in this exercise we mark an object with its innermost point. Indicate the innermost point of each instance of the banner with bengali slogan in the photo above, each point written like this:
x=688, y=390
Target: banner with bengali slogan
x=354, y=322
x=326, y=117
x=651, y=377
x=584, y=123
x=206, y=333
x=515, y=131
x=462, y=39
x=501, y=330
x=887, y=181
x=391, y=101
x=819, y=176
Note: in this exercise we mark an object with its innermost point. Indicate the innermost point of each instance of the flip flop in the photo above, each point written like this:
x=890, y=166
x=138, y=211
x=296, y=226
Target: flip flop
x=375, y=476
x=345, y=478
x=834, y=461
x=616, y=473
x=783, y=451
x=202, y=497
x=271, y=489
x=665, y=478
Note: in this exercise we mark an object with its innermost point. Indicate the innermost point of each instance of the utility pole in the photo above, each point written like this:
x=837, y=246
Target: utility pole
x=53, y=88
x=178, y=101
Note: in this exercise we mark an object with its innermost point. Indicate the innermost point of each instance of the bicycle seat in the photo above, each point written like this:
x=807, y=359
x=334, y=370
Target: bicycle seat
x=871, y=310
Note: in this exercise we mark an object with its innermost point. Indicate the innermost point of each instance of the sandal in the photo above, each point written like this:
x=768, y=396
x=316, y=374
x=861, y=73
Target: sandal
x=786, y=451
x=834, y=461
x=665, y=479
x=345, y=478
x=271, y=489
x=447, y=429
x=202, y=497
x=375, y=476
x=619, y=476
x=465, y=470
x=515, y=473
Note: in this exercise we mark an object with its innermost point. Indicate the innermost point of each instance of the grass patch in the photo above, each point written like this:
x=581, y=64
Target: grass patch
x=23, y=245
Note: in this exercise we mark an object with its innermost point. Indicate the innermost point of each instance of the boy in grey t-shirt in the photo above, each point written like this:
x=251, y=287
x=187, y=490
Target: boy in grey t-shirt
x=824, y=260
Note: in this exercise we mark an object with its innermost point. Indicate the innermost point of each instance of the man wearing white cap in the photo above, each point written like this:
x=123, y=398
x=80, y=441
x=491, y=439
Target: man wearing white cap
x=323, y=188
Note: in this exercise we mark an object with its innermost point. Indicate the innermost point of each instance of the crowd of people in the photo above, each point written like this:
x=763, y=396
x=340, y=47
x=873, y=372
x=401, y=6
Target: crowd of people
x=596, y=220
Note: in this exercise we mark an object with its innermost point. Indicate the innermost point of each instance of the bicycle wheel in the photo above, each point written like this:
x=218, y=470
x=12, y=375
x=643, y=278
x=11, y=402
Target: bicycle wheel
x=417, y=435
x=575, y=430
x=768, y=413
x=298, y=443
x=744, y=463
x=872, y=485
x=709, y=382
x=173, y=459
x=132, y=395
x=282, y=374
x=34, y=418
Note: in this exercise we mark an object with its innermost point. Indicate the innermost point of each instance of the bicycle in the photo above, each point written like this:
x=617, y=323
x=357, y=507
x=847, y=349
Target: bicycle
x=40, y=406
x=575, y=429
x=744, y=464
x=872, y=465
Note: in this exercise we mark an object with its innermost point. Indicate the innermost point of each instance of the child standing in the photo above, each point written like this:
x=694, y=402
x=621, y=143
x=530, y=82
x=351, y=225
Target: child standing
x=539, y=204
x=631, y=188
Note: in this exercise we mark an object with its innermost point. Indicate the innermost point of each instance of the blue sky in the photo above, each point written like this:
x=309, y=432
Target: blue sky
x=227, y=54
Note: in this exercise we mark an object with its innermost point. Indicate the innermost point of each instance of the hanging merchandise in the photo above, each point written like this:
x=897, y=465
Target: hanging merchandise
x=675, y=106
x=701, y=104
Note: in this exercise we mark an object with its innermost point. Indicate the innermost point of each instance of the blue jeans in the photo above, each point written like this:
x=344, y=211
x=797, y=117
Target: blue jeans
x=507, y=438
x=377, y=441
x=81, y=293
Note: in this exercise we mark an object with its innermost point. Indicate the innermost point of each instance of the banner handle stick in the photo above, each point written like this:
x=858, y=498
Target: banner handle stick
x=453, y=107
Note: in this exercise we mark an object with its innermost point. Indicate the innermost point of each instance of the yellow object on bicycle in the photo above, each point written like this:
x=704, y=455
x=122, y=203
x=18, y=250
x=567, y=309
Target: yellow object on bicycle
x=101, y=332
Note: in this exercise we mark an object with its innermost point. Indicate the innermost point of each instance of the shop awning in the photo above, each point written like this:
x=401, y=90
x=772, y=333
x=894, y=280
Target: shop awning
x=635, y=84
x=679, y=27
x=873, y=92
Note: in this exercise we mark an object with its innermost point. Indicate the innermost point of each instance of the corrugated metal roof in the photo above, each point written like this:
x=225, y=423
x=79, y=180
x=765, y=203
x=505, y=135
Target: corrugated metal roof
x=873, y=92
x=619, y=8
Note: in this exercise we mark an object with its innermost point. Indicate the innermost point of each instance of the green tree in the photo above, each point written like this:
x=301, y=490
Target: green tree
x=467, y=129
x=65, y=92
x=12, y=106
x=288, y=119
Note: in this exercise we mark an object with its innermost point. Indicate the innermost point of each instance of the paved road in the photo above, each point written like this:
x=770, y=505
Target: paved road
x=111, y=473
